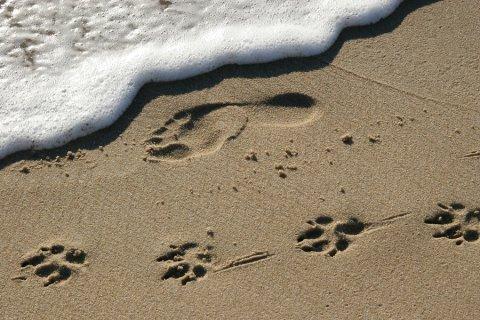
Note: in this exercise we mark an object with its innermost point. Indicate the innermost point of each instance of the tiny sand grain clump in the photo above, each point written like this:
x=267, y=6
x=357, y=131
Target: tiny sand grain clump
x=290, y=153
x=374, y=138
x=24, y=170
x=347, y=139
x=251, y=156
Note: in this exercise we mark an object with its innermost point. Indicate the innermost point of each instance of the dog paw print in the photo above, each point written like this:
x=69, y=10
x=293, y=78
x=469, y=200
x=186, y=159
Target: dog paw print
x=325, y=235
x=455, y=222
x=187, y=262
x=53, y=264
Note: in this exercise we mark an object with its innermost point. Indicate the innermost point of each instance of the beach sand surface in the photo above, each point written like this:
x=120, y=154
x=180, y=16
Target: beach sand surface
x=343, y=186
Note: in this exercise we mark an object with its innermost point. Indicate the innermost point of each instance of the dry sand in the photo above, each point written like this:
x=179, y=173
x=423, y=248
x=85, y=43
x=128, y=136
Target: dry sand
x=212, y=217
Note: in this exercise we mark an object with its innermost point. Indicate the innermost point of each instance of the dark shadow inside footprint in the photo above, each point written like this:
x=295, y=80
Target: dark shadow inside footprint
x=324, y=220
x=75, y=256
x=440, y=217
x=457, y=206
x=188, y=246
x=205, y=257
x=317, y=246
x=342, y=244
x=63, y=273
x=33, y=260
x=177, y=251
x=312, y=233
x=46, y=269
x=332, y=252
x=473, y=216
x=57, y=248
x=193, y=114
x=471, y=235
x=171, y=255
x=453, y=232
x=290, y=100
x=199, y=271
x=286, y=100
x=352, y=227
x=176, y=271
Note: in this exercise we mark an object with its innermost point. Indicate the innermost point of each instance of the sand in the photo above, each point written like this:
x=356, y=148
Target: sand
x=343, y=186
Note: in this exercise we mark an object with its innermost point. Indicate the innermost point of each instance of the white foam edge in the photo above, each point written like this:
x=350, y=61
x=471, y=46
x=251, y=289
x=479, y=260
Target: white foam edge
x=117, y=81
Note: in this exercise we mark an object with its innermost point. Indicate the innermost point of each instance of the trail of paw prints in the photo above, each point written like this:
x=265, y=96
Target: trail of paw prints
x=52, y=264
x=331, y=237
x=187, y=262
x=204, y=129
x=455, y=222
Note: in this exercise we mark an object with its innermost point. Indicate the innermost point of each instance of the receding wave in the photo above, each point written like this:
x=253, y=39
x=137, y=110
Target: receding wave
x=69, y=68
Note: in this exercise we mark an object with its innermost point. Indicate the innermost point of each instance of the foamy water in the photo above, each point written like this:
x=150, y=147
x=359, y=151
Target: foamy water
x=69, y=68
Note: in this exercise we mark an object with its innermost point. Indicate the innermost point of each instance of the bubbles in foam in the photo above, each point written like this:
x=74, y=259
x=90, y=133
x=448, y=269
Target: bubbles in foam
x=69, y=68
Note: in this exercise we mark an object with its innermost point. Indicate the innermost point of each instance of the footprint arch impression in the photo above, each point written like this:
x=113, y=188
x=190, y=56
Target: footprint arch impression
x=204, y=129
x=455, y=222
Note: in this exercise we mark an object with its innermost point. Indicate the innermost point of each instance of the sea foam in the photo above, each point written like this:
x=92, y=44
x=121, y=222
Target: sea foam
x=69, y=68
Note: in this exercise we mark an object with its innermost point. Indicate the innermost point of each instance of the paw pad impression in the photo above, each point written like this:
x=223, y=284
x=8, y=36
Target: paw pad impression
x=53, y=264
x=455, y=222
x=187, y=262
x=326, y=235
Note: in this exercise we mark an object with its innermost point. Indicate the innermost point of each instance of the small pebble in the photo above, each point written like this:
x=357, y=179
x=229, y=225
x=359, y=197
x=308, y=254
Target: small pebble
x=374, y=138
x=347, y=139
x=210, y=233
x=25, y=170
x=251, y=156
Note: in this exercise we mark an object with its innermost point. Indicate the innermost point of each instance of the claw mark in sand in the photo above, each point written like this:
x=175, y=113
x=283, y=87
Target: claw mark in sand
x=473, y=154
x=246, y=260
x=392, y=87
x=392, y=218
